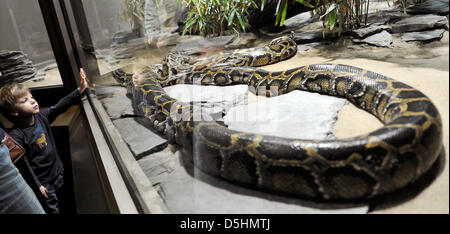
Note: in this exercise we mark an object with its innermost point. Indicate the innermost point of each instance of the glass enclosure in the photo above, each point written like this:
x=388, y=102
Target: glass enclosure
x=126, y=38
x=114, y=40
x=118, y=38
x=25, y=46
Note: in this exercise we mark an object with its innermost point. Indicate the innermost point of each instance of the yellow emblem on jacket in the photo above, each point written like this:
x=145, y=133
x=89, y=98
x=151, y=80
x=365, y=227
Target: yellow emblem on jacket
x=41, y=141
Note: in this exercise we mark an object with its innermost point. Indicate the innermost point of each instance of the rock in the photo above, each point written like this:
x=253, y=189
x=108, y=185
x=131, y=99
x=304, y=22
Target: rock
x=424, y=35
x=314, y=36
x=125, y=36
x=40, y=76
x=103, y=91
x=242, y=39
x=15, y=67
x=197, y=93
x=384, y=17
x=437, y=7
x=297, y=114
x=138, y=138
x=46, y=65
x=221, y=40
x=198, y=43
x=420, y=23
x=118, y=105
x=382, y=39
x=370, y=30
x=157, y=166
x=300, y=20
x=128, y=49
x=214, y=100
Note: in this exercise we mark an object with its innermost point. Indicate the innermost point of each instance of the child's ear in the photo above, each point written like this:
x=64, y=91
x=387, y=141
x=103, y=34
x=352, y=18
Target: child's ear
x=15, y=113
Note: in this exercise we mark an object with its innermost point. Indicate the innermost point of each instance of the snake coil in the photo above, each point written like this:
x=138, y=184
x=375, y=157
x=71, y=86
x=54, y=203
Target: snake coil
x=365, y=166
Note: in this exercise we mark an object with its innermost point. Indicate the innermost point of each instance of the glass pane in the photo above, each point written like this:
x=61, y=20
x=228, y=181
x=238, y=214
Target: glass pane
x=119, y=39
x=128, y=37
x=26, y=54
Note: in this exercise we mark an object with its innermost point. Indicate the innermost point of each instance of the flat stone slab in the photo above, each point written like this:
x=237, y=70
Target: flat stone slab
x=312, y=114
x=424, y=35
x=201, y=42
x=439, y=7
x=300, y=20
x=158, y=165
x=385, y=17
x=297, y=114
x=139, y=138
x=116, y=106
x=313, y=36
x=382, y=39
x=214, y=100
x=197, y=93
x=103, y=91
x=371, y=29
x=420, y=23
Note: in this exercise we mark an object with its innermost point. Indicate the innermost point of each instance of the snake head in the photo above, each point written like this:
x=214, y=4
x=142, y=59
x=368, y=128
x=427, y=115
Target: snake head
x=284, y=46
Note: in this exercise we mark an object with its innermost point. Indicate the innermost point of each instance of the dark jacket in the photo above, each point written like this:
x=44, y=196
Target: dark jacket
x=41, y=155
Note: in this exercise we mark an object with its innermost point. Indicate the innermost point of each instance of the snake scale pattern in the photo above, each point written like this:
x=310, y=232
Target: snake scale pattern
x=361, y=167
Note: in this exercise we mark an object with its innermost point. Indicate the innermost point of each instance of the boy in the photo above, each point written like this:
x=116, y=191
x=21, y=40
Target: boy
x=32, y=130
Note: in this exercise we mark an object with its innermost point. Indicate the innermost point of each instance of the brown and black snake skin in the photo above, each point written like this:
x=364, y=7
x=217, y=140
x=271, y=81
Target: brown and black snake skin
x=365, y=166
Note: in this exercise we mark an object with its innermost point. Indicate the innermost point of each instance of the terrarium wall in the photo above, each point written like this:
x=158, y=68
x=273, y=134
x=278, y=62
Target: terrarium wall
x=21, y=30
x=26, y=54
x=103, y=17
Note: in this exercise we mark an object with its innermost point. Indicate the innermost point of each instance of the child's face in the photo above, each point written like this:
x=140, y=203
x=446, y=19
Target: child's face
x=137, y=79
x=26, y=105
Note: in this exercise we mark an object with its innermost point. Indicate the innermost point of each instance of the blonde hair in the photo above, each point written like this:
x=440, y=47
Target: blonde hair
x=9, y=95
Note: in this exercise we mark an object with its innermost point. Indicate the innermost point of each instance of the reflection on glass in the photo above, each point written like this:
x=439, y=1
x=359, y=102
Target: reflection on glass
x=26, y=54
x=120, y=30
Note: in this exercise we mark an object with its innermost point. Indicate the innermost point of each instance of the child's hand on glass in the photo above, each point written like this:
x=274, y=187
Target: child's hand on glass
x=84, y=83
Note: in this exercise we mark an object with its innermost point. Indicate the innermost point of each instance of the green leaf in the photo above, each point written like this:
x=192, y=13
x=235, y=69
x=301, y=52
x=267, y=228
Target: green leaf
x=341, y=21
x=329, y=9
x=283, y=16
x=188, y=25
x=230, y=20
x=262, y=4
x=200, y=23
x=331, y=20
x=241, y=21
x=306, y=3
x=278, y=6
x=277, y=12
